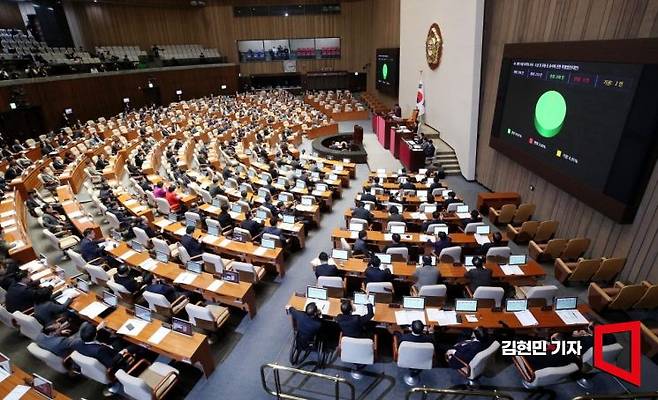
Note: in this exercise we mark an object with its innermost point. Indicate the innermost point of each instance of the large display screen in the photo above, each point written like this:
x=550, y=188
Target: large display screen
x=388, y=69
x=586, y=125
x=571, y=115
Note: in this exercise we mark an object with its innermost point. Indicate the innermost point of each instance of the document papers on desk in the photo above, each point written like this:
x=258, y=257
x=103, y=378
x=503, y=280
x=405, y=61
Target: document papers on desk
x=185, y=278
x=216, y=284
x=511, y=270
x=126, y=255
x=160, y=334
x=571, y=317
x=260, y=251
x=225, y=243
x=181, y=231
x=163, y=223
x=149, y=264
x=286, y=227
x=463, y=215
x=526, y=318
x=209, y=239
x=132, y=327
x=481, y=239
x=93, y=310
x=323, y=305
x=3, y=374
x=442, y=317
x=406, y=317
x=17, y=392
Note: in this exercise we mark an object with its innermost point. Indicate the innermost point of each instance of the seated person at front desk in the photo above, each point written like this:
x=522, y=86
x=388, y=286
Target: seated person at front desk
x=376, y=273
x=354, y=325
x=462, y=352
x=394, y=215
x=436, y=219
x=427, y=274
x=124, y=278
x=367, y=196
x=361, y=245
x=47, y=311
x=174, y=201
x=475, y=217
x=156, y=285
x=396, y=238
x=224, y=217
x=497, y=241
x=396, y=113
x=307, y=323
x=361, y=212
x=325, y=269
x=478, y=276
x=20, y=295
x=417, y=334
x=451, y=199
x=252, y=226
x=58, y=340
x=193, y=246
x=89, y=246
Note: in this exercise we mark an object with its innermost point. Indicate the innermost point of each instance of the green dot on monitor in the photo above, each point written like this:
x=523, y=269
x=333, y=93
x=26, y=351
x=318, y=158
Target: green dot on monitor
x=550, y=111
x=385, y=71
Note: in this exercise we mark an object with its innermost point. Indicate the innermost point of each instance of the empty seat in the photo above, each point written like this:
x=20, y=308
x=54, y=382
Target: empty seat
x=503, y=216
x=649, y=300
x=146, y=381
x=358, y=351
x=538, y=296
x=580, y=271
x=383, y=291
x=523, y=234
x=450, y=254
x=618, y=297
x=414, y=356
x=546, y=252
x=488, y=296
x=609, y=269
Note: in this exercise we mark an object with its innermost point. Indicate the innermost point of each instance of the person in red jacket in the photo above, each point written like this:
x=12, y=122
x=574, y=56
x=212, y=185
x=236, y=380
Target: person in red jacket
x=173, y=199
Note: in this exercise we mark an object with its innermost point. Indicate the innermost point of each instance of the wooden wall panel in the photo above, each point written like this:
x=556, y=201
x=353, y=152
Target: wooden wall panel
x=93, y=96
x=521, y=21
x=10, y=15
x=362, y=25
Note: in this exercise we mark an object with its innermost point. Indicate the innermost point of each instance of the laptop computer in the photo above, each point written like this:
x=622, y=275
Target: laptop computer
x=82, y=285
x=135, y=245
x=190, y=221
x=319, y=297
x=5, y=363
x=307, y=201
x=261, y=214
x=384, y=258
x=300, y=184
x=268, y=243
x=468, y=260
x=111, y=301
x=466, y=305
x=518, y=259
x=281, y=181
x=143, y=313
x=181, y=326
x=315, y=175
x=213, y=230
x=399, y=229
x=356, y=227
x=514, y=305
x=333, y=177
x=43, y=386
x=231, y=276
x=483, y=230
x=236, y=208
x=340, y=254
x=438, y=229
x=195, y=267
x=566, y=303
x=172, y=217
x=321, y=187
x=288, y=218
x=462, y=209
x=216, y=202
x=430, y=208
x=263, y=193
x=413, y=303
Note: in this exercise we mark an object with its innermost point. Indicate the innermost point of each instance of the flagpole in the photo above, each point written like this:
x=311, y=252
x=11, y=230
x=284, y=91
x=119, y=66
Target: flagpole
x=421, y=118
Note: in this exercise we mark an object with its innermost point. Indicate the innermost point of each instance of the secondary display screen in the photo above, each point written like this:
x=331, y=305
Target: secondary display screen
x=388, y=69
x=569, y=114
x=583, y=116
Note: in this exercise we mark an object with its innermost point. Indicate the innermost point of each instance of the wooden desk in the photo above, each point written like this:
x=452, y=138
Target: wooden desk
x=487, y=319
x=75, y=213
x=416, y=218
x=19, y=377
x=323, y=130
x=240, y=295
x=29, y=179
x=496, y=200
x=412, y=158
x=74, y=174
x=135, y=207
x=192, y=349
x=449, y=273
x=249, y=252
x=14, y=220
x=382, y=238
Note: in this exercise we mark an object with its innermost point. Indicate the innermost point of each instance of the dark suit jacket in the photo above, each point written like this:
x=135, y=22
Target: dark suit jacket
x=105, y=354
x=478, y=277
x=362, y=213
x=408, y=186
x=326, y=270
x=128, y=282
x=252, y=226
x=193, y=247
x=273, y=230
x=225, y=220
x=19, y=297
x=427, y=223
x=354, y=325
x=378, y=275
x=396, y=217
x=48, y=312
x=165, y=290
x=465, y=351
x=410, y=337
x=59, y=345
x=442, y=244
x=368, y=197
x=89, y=249
x=307, y=327
x=360, y=247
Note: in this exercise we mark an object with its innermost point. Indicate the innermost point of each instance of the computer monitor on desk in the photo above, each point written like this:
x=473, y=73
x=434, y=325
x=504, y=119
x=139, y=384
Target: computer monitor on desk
x=514, y=305
x=566, y=303
x=181, y=326
x=313, y=292
x=413, y=303
x=483, y=230
x=518, y=259
x=466, y=305
x=340, y=254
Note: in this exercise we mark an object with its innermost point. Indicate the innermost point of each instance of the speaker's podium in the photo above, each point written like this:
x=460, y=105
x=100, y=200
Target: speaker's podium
x=357, y=136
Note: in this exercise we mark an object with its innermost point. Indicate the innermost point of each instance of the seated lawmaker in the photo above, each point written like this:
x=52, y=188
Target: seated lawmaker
x=451, y=199
x=497, y=241
x=46, y=311
x=416, y=335
x=225, y=220
x=394, y=215
x=463, y=352
x=478, y=276
x=436, y=219
x=159, y=191
x=252, y=226
x=20, y=295
x=89, y=249
x=192, y=245
x=174, y=201
x=376, y=273
x=443, y=242
x=361, y=245
x=427, y=274
x=307, y=322
x=361, y=212
x=352, y=325
x=325, y=269
x=157, y=285
x=395, y=238
x=59, y=341
x=123, y=278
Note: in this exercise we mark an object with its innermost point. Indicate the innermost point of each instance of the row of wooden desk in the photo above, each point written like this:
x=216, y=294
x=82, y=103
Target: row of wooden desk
x=413, y=238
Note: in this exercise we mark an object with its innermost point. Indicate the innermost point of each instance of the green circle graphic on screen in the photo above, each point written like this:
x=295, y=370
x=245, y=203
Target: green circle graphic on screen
x=550, y=111
x=385, y=71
